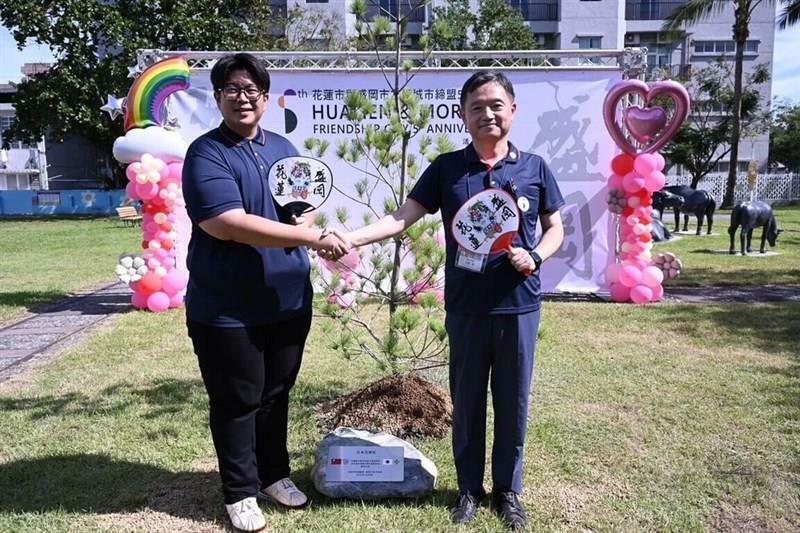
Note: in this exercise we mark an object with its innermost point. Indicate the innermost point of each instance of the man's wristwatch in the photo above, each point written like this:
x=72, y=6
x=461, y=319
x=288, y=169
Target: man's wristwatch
x=537, y=259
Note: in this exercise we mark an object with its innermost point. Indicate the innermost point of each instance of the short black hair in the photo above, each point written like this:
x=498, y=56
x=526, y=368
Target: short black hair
x=242, y=61
x=483, y=77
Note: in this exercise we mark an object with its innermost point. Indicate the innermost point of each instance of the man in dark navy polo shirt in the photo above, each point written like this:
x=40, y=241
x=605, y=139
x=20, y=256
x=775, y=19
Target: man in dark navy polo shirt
x=492, y=306
x=248, y=302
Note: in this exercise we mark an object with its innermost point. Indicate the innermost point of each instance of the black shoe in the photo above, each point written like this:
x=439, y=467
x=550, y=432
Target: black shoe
x=509, y=509
x=466, y=507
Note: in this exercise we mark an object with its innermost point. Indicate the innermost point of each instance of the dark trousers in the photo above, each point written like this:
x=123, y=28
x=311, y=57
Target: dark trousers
x=248, y=373
x=499, y=348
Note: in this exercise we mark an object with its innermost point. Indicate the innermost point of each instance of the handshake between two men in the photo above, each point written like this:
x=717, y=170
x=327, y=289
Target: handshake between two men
x=333, y=244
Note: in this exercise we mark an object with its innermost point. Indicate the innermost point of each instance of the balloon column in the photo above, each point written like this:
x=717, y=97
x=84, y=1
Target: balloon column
x=154, y=156
x=635, y=175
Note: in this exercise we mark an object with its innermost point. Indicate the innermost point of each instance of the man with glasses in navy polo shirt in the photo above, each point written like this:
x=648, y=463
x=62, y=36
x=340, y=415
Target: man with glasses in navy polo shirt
x=493, y=311
x=248, y=302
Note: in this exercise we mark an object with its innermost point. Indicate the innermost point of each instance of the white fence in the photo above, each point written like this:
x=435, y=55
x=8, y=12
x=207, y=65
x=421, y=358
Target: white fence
x=769, y=187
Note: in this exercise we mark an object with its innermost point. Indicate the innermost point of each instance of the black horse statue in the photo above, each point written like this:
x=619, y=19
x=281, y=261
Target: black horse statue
x=750, y=215
x=664, y=200
x=696, y=202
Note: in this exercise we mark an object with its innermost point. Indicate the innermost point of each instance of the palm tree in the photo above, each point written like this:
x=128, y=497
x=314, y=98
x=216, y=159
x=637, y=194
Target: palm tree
x=695, y=10
x=790, y=14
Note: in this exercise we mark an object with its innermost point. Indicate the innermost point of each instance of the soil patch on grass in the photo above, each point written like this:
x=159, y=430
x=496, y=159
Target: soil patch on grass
x=400, y=405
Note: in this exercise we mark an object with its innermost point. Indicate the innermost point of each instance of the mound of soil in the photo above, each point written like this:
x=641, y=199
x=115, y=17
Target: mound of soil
x=400, y=405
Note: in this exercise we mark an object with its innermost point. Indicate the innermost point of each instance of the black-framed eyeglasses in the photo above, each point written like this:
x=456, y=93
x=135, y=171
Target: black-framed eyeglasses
x=232, y=92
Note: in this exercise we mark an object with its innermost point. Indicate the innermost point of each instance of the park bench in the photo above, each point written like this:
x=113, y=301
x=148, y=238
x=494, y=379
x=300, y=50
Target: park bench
x=129, y=215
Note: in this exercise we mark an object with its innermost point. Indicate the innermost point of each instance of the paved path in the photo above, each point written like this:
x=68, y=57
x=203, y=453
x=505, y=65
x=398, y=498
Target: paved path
x=55, y=326
x=46, y=332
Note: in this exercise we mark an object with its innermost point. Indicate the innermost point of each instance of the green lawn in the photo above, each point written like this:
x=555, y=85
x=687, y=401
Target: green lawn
x=44, y=259
x=693, y=427
x=706, y=260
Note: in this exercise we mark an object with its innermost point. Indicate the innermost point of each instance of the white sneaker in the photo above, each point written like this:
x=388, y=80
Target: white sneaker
x=286, y=493
x=246, y=516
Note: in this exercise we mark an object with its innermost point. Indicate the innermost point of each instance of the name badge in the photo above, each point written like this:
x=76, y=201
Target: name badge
x=470, y=260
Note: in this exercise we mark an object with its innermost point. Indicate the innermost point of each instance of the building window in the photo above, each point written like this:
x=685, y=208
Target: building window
x=413, y=9
x=723, y=47
x=650, y=9
x=536, y=10
x=5, y=123
x=589, y=43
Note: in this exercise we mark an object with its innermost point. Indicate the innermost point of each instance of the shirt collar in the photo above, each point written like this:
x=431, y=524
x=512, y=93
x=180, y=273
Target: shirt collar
x=237, y=140
x=511, y=157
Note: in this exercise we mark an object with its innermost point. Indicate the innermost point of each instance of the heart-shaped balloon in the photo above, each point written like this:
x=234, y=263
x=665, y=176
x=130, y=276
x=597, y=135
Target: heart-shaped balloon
x=644, y=124
x=649, y=125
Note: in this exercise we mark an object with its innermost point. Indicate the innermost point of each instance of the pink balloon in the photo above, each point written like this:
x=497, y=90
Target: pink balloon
x=660, y=162
x=652, y=276
x=619, y=292
x=614, y=181
x=158, y=302
x=641, y=294
x=630, y=275
x=633, y=182
x=175, y=281
x=654, y=181
x=176, y=300
x=658, y=293
x=146, y=190
x=645, y=164
x=130, y=172
x=130, y=190
x=175, y=172
x=139, y=300
x=164, y=172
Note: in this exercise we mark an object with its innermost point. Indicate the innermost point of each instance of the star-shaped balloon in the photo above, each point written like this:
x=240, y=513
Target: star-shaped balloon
x=114, y=107
x=134, y=71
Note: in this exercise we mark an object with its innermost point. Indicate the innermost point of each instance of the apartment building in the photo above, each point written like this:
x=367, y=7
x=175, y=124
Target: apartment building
x=615, y=24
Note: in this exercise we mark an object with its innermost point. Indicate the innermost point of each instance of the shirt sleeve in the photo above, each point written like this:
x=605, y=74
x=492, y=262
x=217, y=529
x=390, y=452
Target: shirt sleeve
x=550, y=200
x=209, y=187
x=428, y=191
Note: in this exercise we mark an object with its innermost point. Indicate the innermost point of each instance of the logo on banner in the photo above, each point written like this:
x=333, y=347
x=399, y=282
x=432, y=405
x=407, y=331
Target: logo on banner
x=289, y=117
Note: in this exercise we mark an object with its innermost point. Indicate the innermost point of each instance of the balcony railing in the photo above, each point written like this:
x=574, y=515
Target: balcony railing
x=648, y=10
x=413, y=9
x=679, y=72
x=536, y=10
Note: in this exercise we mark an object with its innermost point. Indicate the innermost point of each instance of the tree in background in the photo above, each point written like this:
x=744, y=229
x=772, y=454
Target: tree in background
x=496, y=26
x=451, y=25
x=785, y=136
x=501, y=27
x=702, y=141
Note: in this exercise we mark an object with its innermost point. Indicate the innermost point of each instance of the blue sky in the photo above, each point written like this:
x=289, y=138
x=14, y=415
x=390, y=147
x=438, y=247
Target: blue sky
x=786, y=70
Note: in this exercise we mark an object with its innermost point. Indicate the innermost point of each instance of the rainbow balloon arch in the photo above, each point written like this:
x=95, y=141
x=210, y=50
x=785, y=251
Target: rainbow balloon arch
x=636, y=276
x=154, y=157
